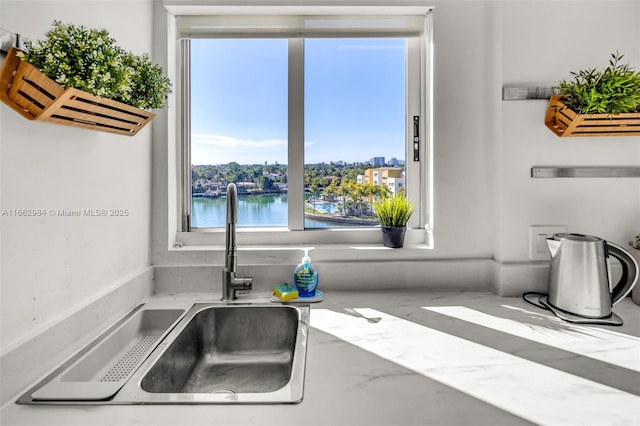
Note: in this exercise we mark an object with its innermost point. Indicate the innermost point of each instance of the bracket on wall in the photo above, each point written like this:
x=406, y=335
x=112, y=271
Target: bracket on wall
x=586, y=172
x=521, y=93
x=8, y=40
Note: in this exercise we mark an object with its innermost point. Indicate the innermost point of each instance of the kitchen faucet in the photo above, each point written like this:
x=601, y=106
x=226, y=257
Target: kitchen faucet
x=231, y=283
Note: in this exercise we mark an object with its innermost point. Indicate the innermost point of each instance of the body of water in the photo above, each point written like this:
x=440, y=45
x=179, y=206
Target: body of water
x=253, y=211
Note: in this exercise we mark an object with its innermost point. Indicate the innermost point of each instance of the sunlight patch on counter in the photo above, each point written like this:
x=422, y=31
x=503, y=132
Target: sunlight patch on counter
x=535, y=392
x=592, y=342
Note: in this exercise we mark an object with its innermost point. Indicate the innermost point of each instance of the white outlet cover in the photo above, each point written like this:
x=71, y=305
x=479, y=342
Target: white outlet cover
x=537, y=236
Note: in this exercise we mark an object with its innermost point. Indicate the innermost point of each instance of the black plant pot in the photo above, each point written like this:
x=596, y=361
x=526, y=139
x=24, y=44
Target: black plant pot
x=393, y=236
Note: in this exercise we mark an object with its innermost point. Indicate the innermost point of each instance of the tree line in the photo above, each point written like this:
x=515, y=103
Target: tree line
x=315, y=175
x=335, y=182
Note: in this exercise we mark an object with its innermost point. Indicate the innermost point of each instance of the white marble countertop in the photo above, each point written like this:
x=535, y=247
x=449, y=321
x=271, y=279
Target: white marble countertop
x=464, y=358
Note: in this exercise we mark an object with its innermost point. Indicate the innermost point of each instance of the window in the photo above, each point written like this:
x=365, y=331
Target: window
x=239, y=130
x=354, y=112
x=303, y=121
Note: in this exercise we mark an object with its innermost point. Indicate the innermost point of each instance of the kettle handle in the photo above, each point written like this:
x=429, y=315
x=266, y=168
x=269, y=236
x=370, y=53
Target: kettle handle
x=629, y=276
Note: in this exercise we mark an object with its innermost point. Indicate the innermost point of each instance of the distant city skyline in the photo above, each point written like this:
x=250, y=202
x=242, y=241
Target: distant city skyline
x=391, y=162
x=239, y=100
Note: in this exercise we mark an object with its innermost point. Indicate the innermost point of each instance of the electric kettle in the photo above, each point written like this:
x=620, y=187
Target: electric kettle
x=579, y=276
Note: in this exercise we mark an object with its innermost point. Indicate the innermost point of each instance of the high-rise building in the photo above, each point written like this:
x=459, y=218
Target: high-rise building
x=377, y=161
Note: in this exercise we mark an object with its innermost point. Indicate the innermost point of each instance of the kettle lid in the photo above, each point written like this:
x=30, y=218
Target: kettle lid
x=577, y=237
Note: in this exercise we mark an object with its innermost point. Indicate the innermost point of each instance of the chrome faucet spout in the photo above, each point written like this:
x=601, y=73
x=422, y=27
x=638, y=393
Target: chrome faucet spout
x=231, y=283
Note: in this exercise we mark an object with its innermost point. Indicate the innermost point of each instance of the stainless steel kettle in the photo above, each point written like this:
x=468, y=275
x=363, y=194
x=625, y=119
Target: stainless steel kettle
x=579, y=275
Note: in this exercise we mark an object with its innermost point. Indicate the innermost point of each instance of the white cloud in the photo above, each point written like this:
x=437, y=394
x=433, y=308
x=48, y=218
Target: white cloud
x=221, y=149
x=237, y=143
x=370, y=47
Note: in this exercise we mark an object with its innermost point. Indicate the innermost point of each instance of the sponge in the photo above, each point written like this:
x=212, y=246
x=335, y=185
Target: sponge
x=285, y=292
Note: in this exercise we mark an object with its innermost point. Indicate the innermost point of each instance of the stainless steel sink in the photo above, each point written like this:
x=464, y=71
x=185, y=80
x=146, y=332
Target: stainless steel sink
x=230, y=350
x=217, y=354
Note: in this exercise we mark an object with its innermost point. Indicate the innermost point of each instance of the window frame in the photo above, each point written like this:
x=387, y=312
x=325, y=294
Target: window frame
x=418, y=175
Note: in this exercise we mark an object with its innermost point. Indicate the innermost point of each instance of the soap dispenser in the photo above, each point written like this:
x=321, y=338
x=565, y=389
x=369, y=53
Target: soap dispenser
x=305, y=277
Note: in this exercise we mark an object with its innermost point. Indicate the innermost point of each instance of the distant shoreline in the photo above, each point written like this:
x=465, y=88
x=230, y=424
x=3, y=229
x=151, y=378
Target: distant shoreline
x=240, y=193
x=316, y=217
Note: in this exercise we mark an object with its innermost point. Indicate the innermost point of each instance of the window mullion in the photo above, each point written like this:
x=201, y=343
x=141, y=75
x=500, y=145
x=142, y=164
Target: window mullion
x=295, y=160
x=185, y=128
x=413, y=169
x=426, y=52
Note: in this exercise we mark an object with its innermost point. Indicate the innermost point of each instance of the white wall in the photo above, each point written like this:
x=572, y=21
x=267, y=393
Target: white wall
x=464, y=192
x=484, y=148
x=543, y=44
x=538, y=46
x=52, y=266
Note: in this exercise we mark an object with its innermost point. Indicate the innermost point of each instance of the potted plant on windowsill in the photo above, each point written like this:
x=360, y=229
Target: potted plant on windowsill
x=393, y=214
x=597, y=102
x=80, y=77
x=635, y=252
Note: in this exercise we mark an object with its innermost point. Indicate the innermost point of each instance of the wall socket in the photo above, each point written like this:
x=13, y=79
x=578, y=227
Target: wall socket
x=537, y=240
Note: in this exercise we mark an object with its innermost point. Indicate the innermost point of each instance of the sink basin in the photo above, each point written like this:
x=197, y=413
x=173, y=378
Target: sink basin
x=237, y=353
x=216, y=353
x=234, y=349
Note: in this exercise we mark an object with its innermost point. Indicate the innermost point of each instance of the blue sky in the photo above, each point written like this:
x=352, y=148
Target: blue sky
x=354, y=100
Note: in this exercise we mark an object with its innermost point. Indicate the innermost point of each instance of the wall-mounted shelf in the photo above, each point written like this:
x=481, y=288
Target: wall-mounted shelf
x=36, y=97
x=586, y=172
x=564, y=122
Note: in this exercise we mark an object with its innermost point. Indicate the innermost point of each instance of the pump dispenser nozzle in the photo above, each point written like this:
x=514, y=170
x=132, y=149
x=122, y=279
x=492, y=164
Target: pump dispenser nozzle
x=306, y=260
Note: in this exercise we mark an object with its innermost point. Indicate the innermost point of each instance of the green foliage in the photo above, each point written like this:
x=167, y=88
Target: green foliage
x=393, y=211
x=320, y=175
x=354, y=197
x=86, y=59
x=150, y=87
x=333, y=181
x=265, y=183
x=90, y=60
x=614, y=90
x=635, y=243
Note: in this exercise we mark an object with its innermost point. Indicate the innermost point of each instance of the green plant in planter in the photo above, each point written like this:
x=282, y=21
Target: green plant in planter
x=635, y=243
x=614, y=90
x=393, y=214
x=393, y=211
x=90, y=60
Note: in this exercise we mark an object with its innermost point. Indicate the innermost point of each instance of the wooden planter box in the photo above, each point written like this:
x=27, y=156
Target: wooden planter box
x=563, y=121
x=36, y=97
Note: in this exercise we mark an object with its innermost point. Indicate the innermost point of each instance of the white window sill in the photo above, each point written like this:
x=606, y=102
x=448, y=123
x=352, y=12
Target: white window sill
x=288, y=245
